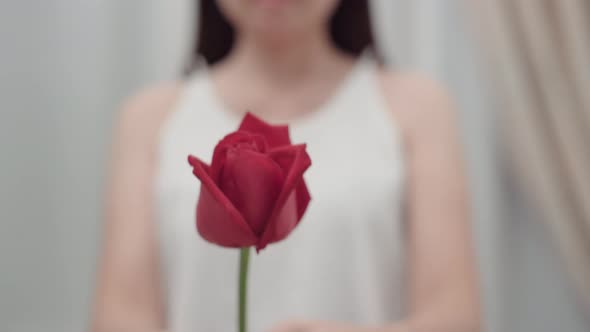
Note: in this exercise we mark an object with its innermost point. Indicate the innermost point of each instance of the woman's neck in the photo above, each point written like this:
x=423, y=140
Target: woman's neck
x=286, y=59
x=283, y=78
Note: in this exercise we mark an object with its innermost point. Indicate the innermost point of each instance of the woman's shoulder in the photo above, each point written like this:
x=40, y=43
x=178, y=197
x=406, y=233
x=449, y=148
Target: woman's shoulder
x=419, y=102
x=421, y=92
x=148, y=107
x=150, y=103
x=142, y=114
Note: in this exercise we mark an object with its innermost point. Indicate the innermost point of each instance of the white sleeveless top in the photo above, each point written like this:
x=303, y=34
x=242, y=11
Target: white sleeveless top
x=344, y=262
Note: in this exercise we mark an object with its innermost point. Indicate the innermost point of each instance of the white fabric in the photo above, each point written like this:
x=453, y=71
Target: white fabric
x=344, y=262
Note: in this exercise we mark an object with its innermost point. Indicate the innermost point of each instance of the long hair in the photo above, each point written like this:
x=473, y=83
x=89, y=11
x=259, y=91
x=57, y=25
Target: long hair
x=350, y=30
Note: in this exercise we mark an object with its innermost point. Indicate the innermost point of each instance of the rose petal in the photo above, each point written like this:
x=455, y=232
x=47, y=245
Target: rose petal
x=218, y=221
x=303, y=198
x=286, y=213
x=276, y=136
x=255, y=141
x=253, y=182
x=285, y=157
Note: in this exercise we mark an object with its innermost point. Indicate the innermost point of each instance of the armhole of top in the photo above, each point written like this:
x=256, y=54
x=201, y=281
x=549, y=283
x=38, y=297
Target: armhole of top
x=391, y=119
x=176, y=107
x=396, y=134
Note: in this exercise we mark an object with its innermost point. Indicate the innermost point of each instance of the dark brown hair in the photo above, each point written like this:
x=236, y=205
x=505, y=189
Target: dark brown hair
x=350, y=29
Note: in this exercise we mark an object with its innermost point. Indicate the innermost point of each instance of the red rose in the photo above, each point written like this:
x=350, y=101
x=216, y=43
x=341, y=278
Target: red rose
x=253, y=193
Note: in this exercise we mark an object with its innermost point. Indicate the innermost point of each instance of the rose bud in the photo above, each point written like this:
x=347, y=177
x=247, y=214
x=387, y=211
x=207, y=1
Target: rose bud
x=253, y=193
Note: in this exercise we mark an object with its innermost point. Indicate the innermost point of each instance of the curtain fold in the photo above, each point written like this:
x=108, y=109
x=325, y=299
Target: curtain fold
x=539, y=53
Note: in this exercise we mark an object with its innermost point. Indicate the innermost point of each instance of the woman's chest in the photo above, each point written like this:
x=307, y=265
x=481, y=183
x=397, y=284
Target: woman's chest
x=355, y=181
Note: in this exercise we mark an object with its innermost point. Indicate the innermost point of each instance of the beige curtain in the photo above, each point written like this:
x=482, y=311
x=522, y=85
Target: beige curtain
x=539, y=52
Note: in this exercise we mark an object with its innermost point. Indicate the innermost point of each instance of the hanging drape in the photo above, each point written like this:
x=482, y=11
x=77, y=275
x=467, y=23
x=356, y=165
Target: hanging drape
x=540, y=58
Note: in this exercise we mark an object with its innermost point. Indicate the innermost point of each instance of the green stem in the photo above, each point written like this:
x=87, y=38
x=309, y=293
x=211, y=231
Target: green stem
x=244, y=258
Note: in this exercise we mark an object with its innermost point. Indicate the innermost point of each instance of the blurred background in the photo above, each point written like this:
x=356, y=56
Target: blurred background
x=519, y=69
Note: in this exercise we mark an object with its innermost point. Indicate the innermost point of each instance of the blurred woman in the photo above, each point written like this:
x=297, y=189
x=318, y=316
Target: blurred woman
x=385, y=244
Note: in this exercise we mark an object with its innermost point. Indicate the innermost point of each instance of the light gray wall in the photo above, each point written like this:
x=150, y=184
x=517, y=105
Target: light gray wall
x=66, y=65
x=54, y=118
